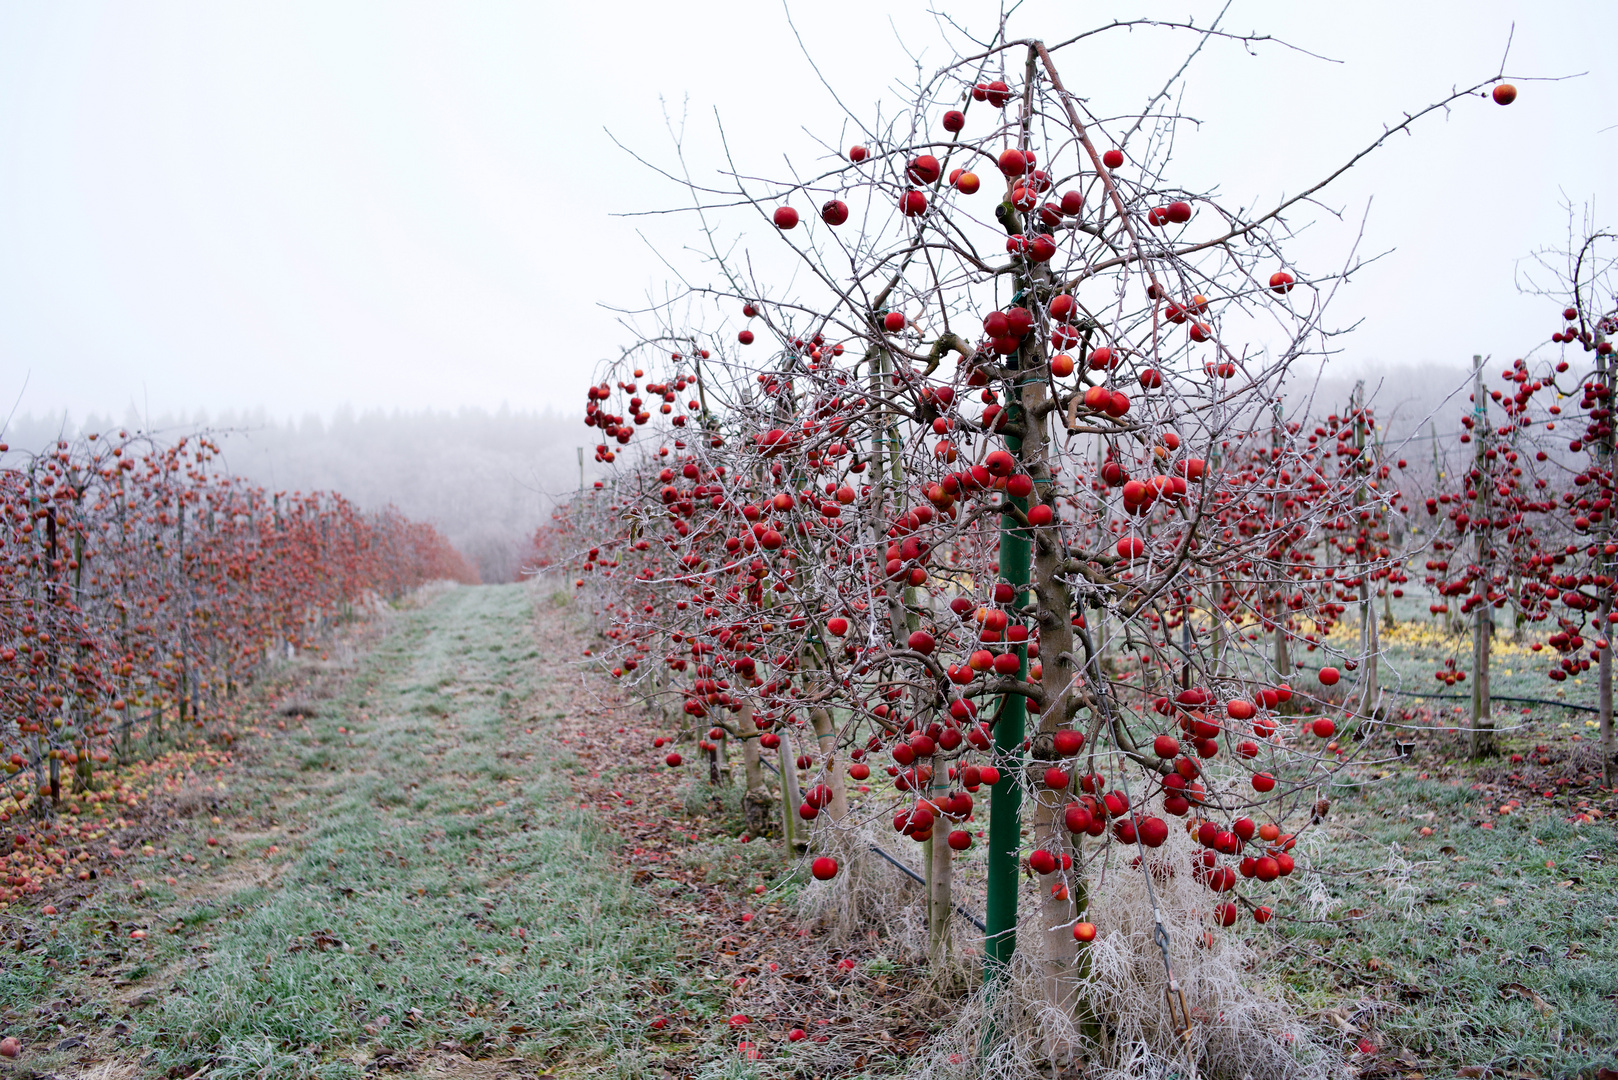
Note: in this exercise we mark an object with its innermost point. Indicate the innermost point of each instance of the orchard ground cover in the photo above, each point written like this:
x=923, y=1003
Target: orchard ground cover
x=1467, y=919
x=1544, y=749
x=471, y=860
x=401, y=879
x=1461, y=923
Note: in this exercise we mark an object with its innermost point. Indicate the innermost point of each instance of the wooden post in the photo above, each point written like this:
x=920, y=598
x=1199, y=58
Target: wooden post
x=1480, y=738
x=1276, y=602
x=1368, y=643
x=791, y=797
x=1605, y=372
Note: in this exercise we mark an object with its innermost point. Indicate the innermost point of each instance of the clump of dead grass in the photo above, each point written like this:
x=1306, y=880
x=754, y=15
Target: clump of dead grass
x=1241, y=1026
x=867, y=893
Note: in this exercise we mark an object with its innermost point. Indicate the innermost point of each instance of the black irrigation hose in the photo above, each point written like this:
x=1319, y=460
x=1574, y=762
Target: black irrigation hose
x=1492, y=697
x=902, y=868
x=983, y=928
x=1498, y=697
x=917, y=878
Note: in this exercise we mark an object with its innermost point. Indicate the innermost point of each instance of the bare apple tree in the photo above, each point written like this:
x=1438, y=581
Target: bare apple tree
x=995, y=481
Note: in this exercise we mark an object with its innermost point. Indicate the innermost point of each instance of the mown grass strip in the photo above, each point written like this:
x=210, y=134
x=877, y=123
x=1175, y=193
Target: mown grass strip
x=442, y=892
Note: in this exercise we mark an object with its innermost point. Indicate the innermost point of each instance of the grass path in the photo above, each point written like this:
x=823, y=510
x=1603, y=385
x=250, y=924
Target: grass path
x=403, y=876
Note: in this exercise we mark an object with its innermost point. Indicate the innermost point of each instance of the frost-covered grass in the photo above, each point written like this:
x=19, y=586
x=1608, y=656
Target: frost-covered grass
x=435, y=882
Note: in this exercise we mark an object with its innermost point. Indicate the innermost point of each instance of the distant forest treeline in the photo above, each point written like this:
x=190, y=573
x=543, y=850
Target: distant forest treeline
x=487, y=479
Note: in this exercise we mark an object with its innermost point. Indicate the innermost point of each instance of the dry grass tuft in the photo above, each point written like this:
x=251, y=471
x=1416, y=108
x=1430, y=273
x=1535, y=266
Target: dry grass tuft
x=867, y=892
x=1123, y=1028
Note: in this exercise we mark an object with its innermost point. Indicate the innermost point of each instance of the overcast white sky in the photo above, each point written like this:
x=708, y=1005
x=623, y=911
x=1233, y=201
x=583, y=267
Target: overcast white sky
x=302, y=205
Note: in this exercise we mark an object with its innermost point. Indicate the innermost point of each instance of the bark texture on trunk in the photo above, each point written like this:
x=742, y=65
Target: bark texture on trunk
x=831, y=765
x=756, y=802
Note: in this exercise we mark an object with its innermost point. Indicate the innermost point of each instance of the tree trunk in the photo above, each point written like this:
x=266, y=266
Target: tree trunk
x=1060, y=950
x=722, y=760
x=940, y=897
x=826, y=739
x=756, y=801
x=1054, y=605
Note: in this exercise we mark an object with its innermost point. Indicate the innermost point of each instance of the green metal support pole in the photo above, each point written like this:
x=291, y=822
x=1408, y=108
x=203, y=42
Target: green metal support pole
x=1005, y=800
x=1016, y=558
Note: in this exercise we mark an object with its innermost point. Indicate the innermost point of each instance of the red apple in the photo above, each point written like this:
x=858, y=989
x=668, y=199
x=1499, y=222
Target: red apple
x=1012, y=162
x=923, y=169
x=1153, y=831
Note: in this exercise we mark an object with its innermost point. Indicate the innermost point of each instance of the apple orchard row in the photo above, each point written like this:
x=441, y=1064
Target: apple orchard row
x=141, y=586
x=1038, y=526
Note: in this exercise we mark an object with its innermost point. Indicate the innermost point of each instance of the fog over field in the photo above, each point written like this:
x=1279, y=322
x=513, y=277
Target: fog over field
x=487, y=479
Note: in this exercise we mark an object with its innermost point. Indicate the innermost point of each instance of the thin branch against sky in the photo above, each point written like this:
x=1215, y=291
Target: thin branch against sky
x=286, y=207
